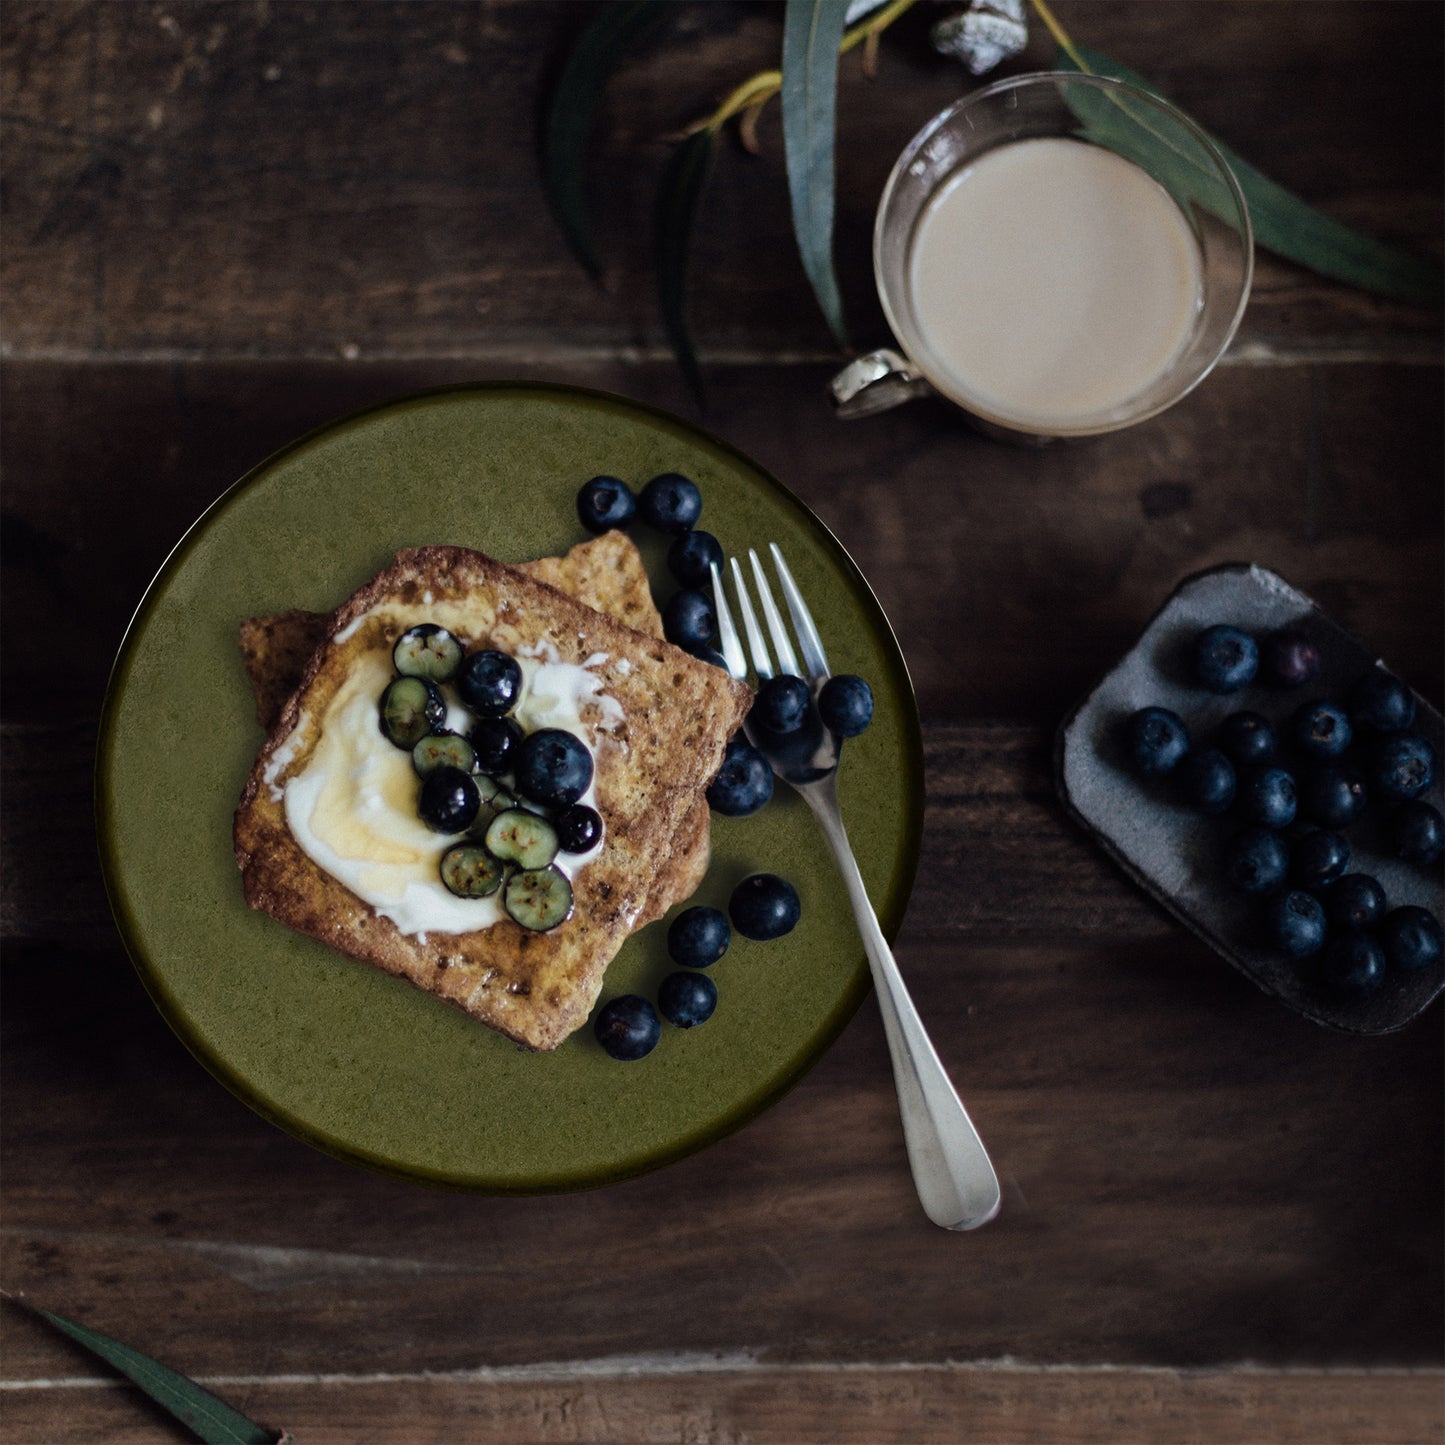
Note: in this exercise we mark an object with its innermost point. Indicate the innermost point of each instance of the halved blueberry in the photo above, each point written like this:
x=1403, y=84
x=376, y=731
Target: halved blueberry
x=743, y=784
x=411, y=707
x=1156, y=739
x=698, y=937
x=1417, y=833
x=428, y=651
x=1256, y=861
x=449, y=800
x=846, y=705
x=627, y=1027
x=1353, y=966
x=688, y=619
x=1295, y=924
x=604, y=503
x=1402, y=766
x=490, y=682
x=690, y=558
x=1247, y=738
x=781, y=705
x=671, y=503
x=1290, y=659
x=687, y=999
x=1268, y=796
x=1412, y=938
x=552, y=768
x=764, y=907
x=1354, y=901
x=1206, y=781
x=1319, y=858
x=1321, y=730
x=1224, y=659
x=1382, y=703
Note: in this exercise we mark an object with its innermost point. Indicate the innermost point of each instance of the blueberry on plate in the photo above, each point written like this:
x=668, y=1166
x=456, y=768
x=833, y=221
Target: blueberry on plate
x=764, y=906
x=690, y=558
x=710, y=655
x=1318, y=858
x=687, y=999
x=1332, y=796
x=670, y=503
x=449, y=800
x=1256, y=861
x=1247, y=738
x=627, y=1027
x=1417, y=833
x=846, y=705
x=1268, y=797
x=781, y=705
x=1354, y=901
x=579, y=829
x=688, y=619
x=1382, y=703
x=1353, y=966
x=490, y=682
x=1412, y=938
x=1157, y=740
x=1402, y=766
x=1206, y=781
x=1289, y=658
x=553, y=768
x=411, y=707
x=698, y=937
x=1294, y=923
x=1224, y=659
x=605, y=503
x=743, y=784
x=1321, y=730
x=495, y=740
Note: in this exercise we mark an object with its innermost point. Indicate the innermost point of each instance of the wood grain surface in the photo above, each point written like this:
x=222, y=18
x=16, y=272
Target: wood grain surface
x=224, y=224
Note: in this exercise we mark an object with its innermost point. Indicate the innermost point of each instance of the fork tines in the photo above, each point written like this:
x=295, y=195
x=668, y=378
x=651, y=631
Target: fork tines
x=809, y=642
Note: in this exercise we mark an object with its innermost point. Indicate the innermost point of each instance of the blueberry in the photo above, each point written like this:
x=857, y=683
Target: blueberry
x=627, y=1027
x=1332, y=796
x=687, y=999
x=449, y=800
x=781, y=705
x=553, y=768
x=670, y=503
x=1206, y=781
x=1402, y=766
x=846, y=705
x=688, y=619
x=1417, y=833
x=1382, y=703
x=1294, y=923
x=1267, y=796
x=743, y=783
x=1290, y=659
x=495, y=740
x=1157, y=740
x=489, y=682
x=764, y=906
x=1321, y=730
x=1353, y=966
x=1318, y=858
x=1354, y=901
x=698, y=937
x=1256, y=861
x=1224, y=659
x=710, y=655
x=690, y=558
x=579, y=828
x=1412, y=938
x=1247, y=738
x=604, y=503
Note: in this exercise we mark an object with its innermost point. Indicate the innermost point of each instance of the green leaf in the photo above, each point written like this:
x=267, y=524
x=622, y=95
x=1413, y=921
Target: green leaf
x=812, y=32
x=589, y=65
x=678, y=195
x=213, y=1420
x=1282, y=222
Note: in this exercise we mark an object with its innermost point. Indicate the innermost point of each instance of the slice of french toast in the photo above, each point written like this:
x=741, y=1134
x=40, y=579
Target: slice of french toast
x=606, y=573
x=660, y=721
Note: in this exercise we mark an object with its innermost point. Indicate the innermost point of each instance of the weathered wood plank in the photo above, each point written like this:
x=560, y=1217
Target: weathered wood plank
x=299, y=178
x=1012, y=577
x=852, y=1406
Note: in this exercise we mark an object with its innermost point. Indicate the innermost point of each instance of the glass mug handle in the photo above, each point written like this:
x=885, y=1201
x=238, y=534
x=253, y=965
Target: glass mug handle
x=874, y=382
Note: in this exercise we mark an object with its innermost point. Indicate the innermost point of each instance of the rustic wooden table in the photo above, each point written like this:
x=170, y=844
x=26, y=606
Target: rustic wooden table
x=227, y=223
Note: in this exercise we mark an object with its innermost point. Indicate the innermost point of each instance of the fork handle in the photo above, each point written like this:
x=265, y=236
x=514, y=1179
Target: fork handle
x=956, y=1182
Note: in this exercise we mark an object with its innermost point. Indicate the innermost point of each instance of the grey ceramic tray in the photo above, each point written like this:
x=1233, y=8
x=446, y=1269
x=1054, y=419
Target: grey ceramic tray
x=1173, y=853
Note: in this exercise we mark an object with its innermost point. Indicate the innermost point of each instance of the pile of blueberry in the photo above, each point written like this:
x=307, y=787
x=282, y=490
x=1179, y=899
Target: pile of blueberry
x=1294, y=789
x=513, y=797
x=762, y=907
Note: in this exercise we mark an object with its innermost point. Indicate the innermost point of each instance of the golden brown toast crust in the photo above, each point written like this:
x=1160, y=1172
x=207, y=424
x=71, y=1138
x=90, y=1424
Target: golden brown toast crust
x=606, y=573
x=678, y=715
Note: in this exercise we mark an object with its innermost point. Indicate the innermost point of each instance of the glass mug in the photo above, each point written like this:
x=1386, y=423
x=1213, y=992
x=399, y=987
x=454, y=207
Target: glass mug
x=1063, y=341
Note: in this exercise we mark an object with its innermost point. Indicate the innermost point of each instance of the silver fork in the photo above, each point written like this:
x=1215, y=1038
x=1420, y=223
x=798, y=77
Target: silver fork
x=951, y=1170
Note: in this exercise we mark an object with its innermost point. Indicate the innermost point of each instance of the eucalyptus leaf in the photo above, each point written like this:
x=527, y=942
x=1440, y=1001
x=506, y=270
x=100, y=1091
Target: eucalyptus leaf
x=812, y=33
x=1282, y=222
x=213, y=1421
x=619, y=26
x=678, y=195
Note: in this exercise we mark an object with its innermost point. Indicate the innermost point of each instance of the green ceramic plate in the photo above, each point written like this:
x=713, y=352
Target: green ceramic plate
x=358, y=1063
